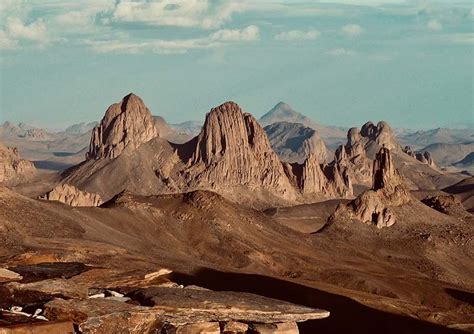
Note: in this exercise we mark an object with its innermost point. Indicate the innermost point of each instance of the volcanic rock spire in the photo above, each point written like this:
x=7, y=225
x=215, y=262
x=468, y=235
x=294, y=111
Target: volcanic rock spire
x=126, y=124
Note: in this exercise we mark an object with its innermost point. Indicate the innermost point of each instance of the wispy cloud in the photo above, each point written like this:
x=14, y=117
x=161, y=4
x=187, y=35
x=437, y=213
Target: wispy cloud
x=434, y=25
x=352, y=30
x=297, y=35
x=179, y=46
x=460, y=38
x=341, y=52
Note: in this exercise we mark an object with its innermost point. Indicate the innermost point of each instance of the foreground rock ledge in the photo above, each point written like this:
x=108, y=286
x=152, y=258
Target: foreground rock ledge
x=174, y=308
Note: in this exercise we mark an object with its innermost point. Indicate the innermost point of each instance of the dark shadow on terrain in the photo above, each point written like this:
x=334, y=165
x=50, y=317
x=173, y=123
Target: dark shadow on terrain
x=347, y=315
x=463, y=296
x=63, y=154
x=51, y=165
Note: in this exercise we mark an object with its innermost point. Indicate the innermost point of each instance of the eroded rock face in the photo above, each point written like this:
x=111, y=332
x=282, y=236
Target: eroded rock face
x=233, y=150
x=330, y=180
x=126, y=124
x=381, y=134
x=374, y=206
x=70, y=195
x=12, y=166
x=423, y=157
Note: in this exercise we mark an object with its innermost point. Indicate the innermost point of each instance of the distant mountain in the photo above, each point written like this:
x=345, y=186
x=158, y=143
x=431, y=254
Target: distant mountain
x=423, y=138
x=446, y=154
x=293, y=142
x=191, y=128
x=80, y=128
x=282, y=112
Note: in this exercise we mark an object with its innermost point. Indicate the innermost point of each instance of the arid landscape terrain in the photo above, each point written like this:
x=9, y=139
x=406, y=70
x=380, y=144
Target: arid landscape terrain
x=135, y=224
x=236, y=166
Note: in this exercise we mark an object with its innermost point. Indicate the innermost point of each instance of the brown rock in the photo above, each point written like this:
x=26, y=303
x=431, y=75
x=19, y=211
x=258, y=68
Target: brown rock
x=232, y=150
x=196, y=328
x=329, y=180
x=126, y=124
x=12, y=167
x=374, y=206
x=40, y=327
x=277, y=328
x=447, y=204
x=234, y=327
x=70, y=195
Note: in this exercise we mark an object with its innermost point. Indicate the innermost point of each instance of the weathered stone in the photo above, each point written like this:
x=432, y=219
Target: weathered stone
x=12, y=167
x=234, y=327
x=196, y=328
x=447, y=204
x=70, y=195
x=232, y=150
x=388, y=190
x=277, y=328
x=43, y=327
x=9, y=276
x=126, y=124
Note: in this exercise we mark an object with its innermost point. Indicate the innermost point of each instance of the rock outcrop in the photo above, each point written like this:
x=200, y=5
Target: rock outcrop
x=126, y=125
x=447, y=204
x=232, y=150
x=293, y=142
x=70, y=195
x=311, y=177
x=12, y=167
x=423, y=157
x=374, y=206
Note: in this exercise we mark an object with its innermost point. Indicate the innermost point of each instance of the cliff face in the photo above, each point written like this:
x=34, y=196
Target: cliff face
x=126, y=124
x=388, y=190
x=12, y=167
x=233, y=150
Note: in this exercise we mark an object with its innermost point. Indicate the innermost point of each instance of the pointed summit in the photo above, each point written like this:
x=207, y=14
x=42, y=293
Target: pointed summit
x=282, y=112
x=126, y=124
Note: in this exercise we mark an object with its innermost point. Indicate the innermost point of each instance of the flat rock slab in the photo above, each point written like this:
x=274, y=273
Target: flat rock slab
x=9, y=276
x=190, y=305
x=177, y=307
x=48, y=270
x=44, y=327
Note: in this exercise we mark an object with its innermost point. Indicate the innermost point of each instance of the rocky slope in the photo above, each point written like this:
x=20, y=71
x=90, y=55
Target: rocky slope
x=293, y=142
x=126, y=125
x=12, y=167
x=374, y=206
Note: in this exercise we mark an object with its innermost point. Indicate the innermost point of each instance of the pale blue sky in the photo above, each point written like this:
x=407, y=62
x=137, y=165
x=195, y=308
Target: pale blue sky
x=339, y=62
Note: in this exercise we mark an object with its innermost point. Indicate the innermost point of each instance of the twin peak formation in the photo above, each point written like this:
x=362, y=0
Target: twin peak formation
x=232, y=156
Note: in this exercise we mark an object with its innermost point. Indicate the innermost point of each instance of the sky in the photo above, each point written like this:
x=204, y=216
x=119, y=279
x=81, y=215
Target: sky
x=410, y=63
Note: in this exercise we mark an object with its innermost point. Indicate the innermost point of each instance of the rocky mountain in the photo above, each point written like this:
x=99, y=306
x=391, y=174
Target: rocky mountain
x=232, y=156
x=466, y=162
x=126, y=125
x=12, y=167
x=422, y=138
x=423, y=157
x=293, y=142
x=189, y=128
x=388, y=190
x=282, y=112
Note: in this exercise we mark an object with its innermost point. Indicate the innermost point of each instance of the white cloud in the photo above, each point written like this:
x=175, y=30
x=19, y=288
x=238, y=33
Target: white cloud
x=297, y=35
x=160, y=46
x=6, y=43
x=434, y=25
x=352, y=30
x=35, y=31
x=181, y=13
x=251, y=33
x=341, y=52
